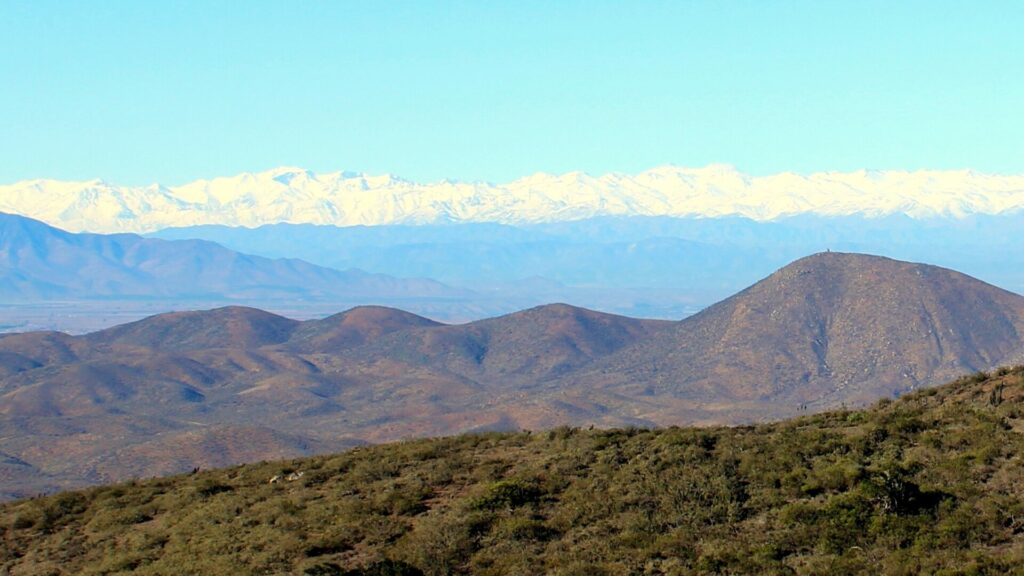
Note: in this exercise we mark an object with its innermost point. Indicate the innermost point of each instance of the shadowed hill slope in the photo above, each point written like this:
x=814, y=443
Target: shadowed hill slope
x=928, y=484
x=20, y=352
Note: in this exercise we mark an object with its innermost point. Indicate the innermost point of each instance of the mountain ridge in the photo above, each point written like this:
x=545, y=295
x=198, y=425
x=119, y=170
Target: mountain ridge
x=347, y=198
x=39, y=262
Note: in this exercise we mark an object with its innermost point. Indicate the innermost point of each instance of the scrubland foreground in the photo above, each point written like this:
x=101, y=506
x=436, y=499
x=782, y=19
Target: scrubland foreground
x=929, y=483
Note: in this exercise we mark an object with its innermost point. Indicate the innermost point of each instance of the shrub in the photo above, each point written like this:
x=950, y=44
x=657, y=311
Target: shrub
x=507, y=494
x=894, y=491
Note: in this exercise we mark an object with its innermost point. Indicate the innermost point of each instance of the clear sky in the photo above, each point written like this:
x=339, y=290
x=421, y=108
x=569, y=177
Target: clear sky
x=142, y=91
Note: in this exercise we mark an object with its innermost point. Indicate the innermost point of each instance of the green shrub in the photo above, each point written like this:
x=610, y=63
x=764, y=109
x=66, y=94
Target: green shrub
x=507, y=494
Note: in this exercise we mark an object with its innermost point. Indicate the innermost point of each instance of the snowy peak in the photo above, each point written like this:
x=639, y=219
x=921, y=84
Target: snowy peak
x=299, y=196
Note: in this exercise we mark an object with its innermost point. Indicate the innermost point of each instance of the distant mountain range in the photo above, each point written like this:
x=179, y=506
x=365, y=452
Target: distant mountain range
x=193, y=388
x=39, y=262
x=346, y=198
x=643, y=266
x=96, y=280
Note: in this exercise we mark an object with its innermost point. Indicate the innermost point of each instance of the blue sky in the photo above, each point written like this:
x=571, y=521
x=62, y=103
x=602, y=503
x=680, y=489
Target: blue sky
x=136, y=92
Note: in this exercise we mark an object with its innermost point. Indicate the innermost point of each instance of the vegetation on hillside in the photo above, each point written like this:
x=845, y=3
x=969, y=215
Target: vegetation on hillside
x=929, y=483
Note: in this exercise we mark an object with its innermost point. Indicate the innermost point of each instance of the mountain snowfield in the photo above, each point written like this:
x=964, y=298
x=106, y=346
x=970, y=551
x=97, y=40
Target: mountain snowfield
x=299, y=196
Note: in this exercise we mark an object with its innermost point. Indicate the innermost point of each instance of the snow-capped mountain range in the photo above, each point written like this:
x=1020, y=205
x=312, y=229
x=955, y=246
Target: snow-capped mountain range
x=345, y=198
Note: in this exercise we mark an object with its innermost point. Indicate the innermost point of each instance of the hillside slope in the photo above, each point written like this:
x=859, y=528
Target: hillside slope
x=827, y=329
x=925, y=484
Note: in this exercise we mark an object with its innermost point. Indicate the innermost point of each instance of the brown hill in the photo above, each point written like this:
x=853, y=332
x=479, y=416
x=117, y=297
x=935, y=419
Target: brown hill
x=827, y=329
x=20, y=352
x=536, y=344
x=370, y=373
x=353, y=328
x=228, y=327
x=549, y=340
